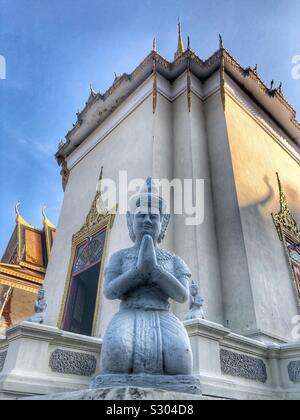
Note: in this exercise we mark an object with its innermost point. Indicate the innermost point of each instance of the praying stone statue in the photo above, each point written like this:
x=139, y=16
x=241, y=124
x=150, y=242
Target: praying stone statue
x=145, y=345
x=40, y=307
x=196, y=304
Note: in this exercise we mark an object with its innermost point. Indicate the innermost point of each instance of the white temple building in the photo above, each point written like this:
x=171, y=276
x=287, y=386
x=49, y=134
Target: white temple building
x=186, y=119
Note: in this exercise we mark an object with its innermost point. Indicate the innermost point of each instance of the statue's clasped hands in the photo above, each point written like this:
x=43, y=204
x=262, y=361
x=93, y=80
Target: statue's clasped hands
x=147, y=260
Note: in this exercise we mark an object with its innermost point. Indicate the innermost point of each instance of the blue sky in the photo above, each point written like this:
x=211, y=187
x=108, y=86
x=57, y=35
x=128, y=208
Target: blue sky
x=54, y=49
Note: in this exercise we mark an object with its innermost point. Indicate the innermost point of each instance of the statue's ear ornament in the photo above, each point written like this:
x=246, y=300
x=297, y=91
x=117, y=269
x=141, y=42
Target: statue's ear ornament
x=164, y=226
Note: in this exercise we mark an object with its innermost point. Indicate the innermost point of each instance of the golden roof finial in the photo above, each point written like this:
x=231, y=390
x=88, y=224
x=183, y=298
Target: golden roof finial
x=46, y=221
x=180, y=46
x=19, y=219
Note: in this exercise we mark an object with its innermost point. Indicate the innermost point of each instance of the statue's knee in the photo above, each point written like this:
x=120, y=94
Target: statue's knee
x=179, y=361
x=116, y=355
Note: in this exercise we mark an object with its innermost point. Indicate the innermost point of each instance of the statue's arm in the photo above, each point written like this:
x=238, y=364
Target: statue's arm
x=116, y=283
x=177, y=288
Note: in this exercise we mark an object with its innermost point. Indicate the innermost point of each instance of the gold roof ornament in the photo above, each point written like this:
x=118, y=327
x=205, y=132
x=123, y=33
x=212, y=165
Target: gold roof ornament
x=180, y=45
x=97, y=214
x=19, y=219
x=46, y=221
x=284, y=220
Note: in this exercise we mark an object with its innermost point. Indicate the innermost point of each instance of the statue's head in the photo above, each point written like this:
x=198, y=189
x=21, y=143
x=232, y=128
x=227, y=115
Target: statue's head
x=194, y=289
x=41, y=294
x=147, y=214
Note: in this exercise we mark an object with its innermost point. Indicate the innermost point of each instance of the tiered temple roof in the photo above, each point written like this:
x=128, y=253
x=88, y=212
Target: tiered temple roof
x=100, y=106
x=23, y=265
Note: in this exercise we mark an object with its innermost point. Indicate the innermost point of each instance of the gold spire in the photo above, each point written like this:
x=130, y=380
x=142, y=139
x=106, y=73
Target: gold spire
x=19, y=219
x=180, y=46
x=46, y=221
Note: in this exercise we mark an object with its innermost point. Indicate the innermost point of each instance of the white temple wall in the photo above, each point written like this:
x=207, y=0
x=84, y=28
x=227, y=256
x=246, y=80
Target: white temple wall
x=239, y=312
x=257, y=156
x=208, y=273
x=127, y=147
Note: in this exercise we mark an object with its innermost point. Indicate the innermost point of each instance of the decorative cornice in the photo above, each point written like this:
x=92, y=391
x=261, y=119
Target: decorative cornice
x=65, y=173
x=284, y=220
x=189, y=85
x=19, y=284
x=154, y=69
x=222, y=76
x=21, y=274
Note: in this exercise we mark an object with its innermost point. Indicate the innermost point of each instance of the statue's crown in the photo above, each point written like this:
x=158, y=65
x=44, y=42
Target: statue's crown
x=147, y=199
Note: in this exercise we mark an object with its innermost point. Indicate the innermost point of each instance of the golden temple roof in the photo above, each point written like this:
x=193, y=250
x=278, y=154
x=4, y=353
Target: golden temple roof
x=25, y=260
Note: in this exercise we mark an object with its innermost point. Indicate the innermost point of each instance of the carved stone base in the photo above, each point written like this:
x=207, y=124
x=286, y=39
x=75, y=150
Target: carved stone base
x=122, y=394
x=178, y=383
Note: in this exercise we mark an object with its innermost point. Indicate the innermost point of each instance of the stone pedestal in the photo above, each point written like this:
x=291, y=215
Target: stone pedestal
x=187, y=384
x=38, y=359
x=123, y=394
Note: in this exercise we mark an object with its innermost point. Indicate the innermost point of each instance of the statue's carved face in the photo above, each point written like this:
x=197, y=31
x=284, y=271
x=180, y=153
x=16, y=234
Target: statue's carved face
x=145, y=223
x=193, y=290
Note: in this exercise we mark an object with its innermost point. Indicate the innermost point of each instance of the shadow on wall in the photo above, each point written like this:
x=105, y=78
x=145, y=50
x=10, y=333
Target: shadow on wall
x=267, y=261
x=256, y=225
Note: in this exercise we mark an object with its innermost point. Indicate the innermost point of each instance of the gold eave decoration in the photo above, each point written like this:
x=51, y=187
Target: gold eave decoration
x=19, y=219
x=46, y=221
x=14, y=273
x=19, y=284
x=284, y=220
x=96, y=216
